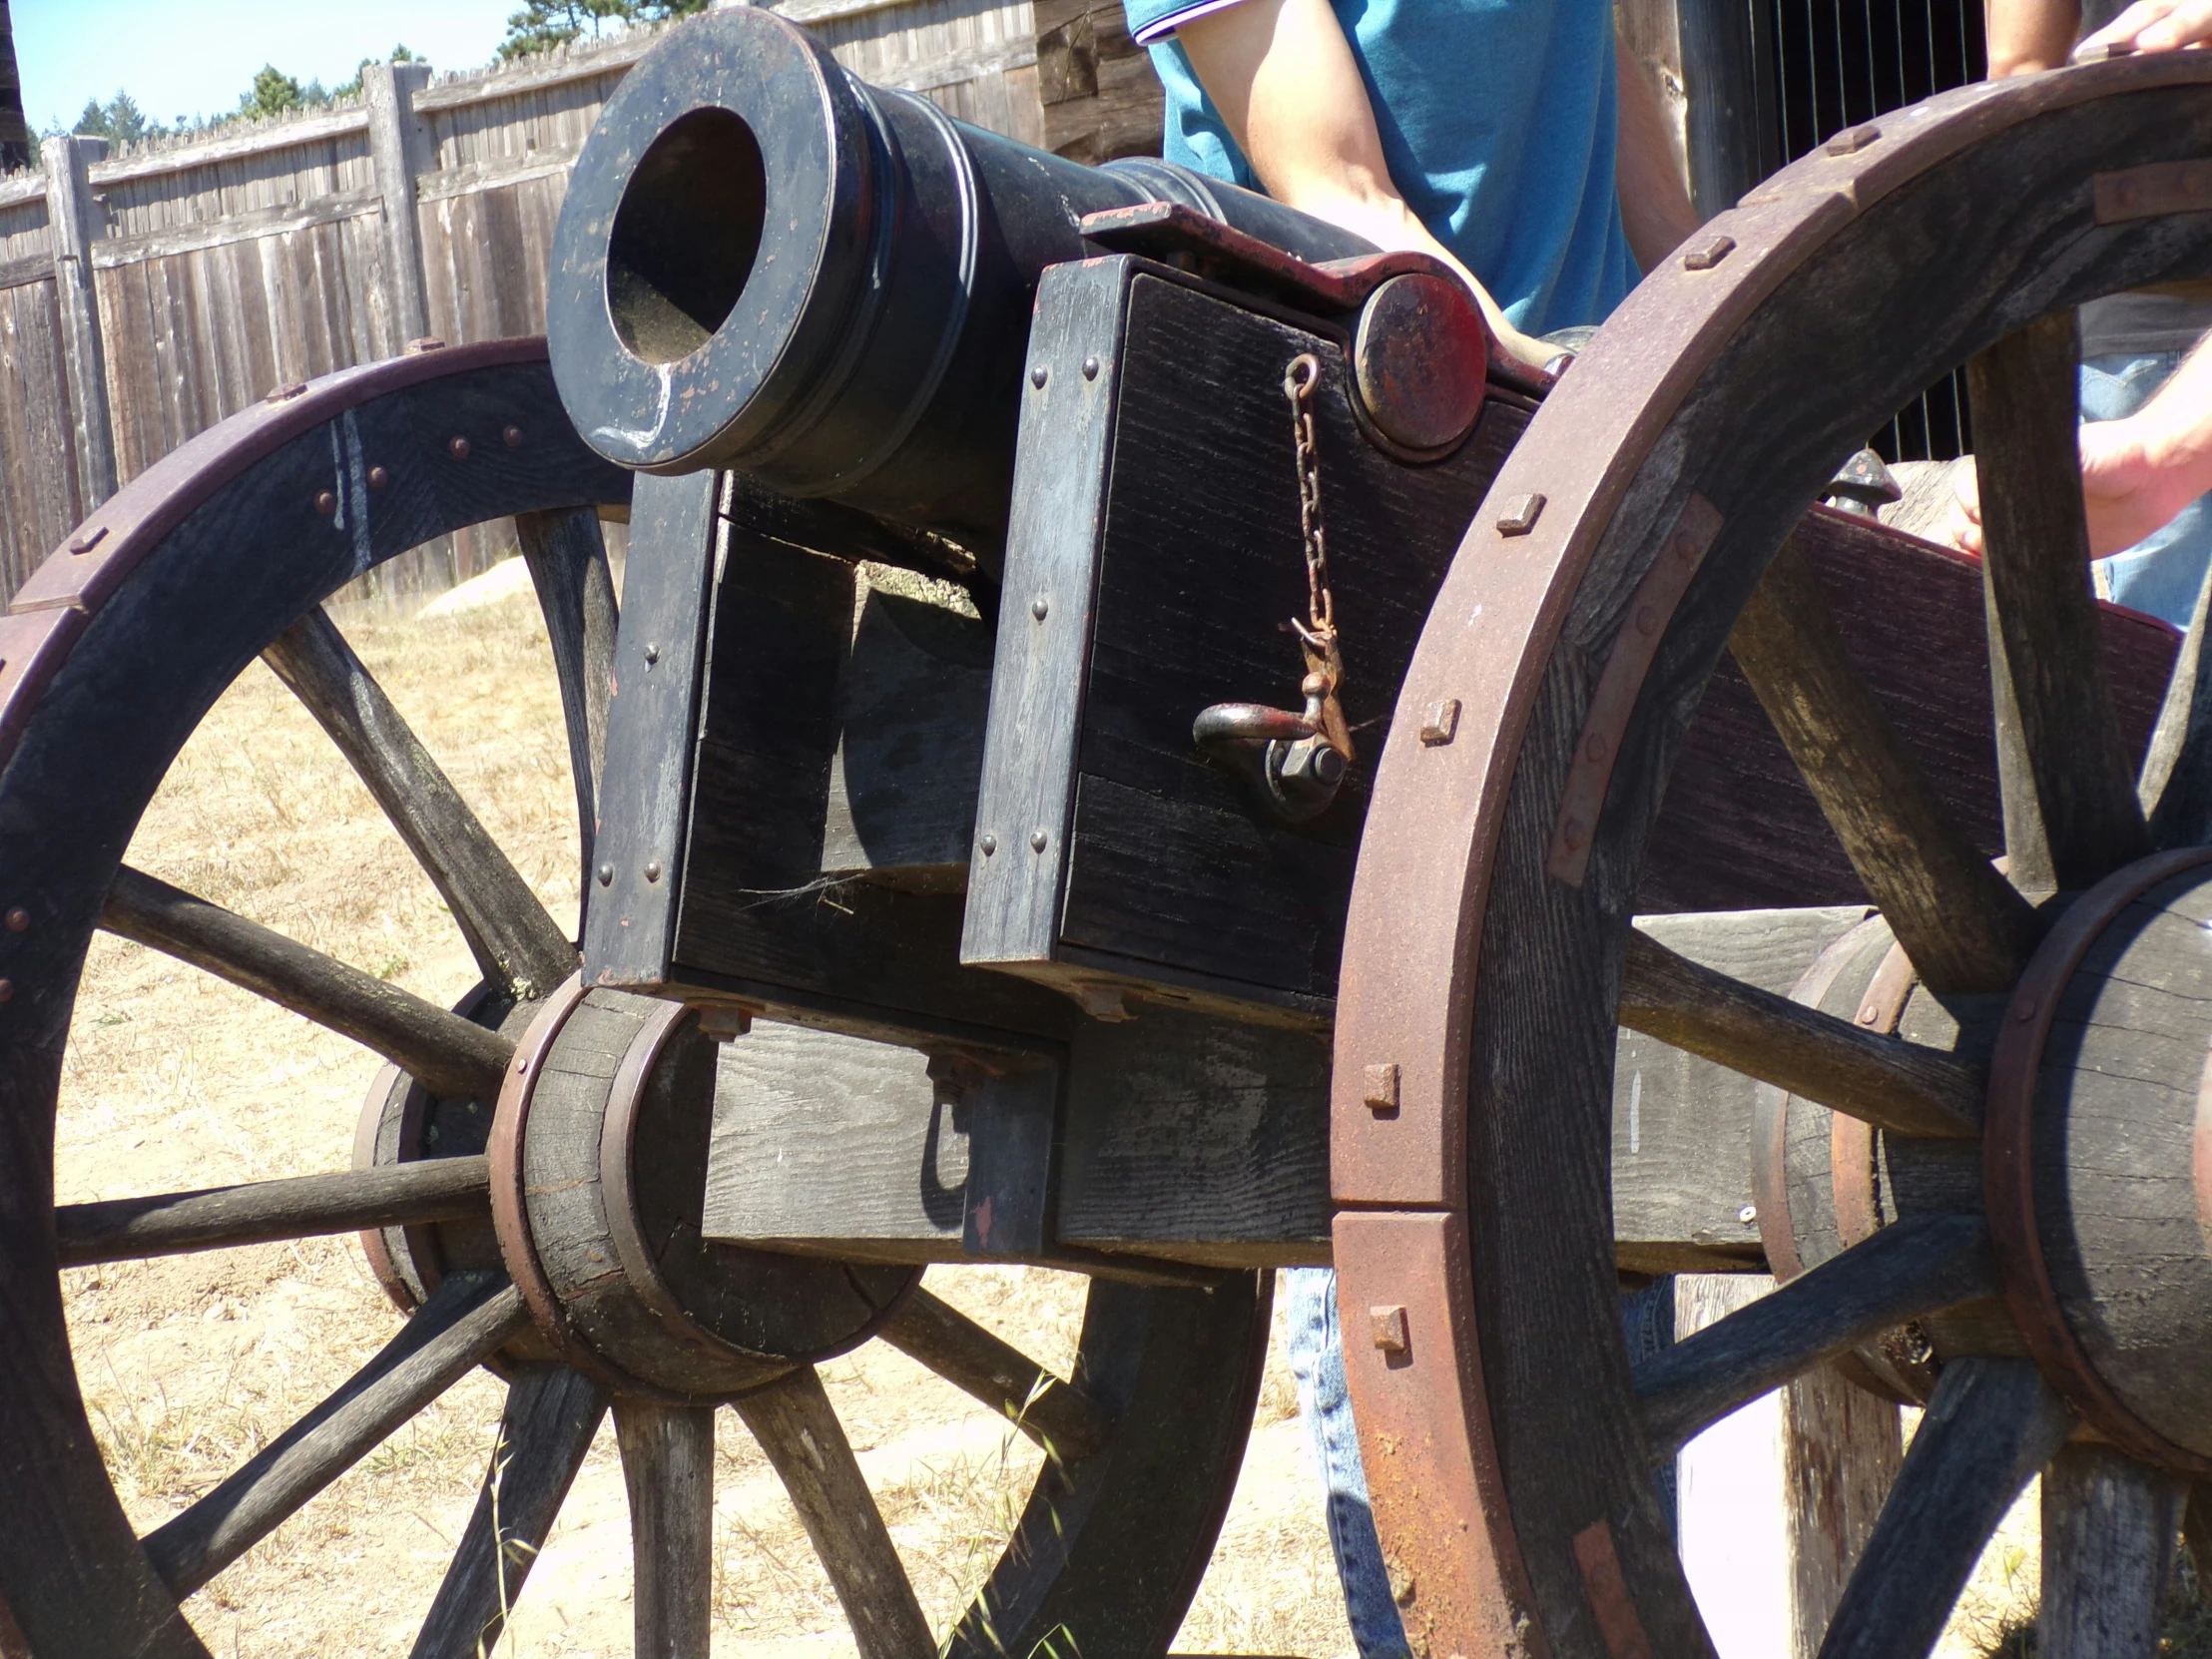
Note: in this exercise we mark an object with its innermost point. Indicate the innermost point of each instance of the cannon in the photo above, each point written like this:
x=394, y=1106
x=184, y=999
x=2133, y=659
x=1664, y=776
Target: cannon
x=1135, y=744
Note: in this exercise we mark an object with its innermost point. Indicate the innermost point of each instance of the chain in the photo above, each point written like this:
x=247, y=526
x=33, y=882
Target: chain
x=1318, y=632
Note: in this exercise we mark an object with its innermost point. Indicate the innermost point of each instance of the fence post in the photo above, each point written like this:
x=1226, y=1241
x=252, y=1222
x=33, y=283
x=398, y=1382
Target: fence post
x=400, y=148
x=76, y=221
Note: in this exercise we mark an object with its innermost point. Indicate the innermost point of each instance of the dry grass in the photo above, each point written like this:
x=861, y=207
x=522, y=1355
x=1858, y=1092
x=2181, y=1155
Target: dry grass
x=189, y=1364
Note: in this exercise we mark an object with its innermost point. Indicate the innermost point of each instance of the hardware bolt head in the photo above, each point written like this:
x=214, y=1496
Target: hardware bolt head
x=458, y=449
x=19, y=920
x=606, y=876
x=1037, y=841
x=989, y=843
x=1090, y=369
x=379, y=478
x=652, y=653
x=1748, y=1214
x=1039, y=607
x=86, y=540
x=512, y=437
x=1574, y=834
x=326, y=503
x=1388, y=1326
x=653, y=870
x=1038, y=377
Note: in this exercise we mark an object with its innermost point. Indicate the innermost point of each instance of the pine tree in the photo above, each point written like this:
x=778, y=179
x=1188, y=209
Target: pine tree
x=15, y=132
x=544, y=24
x=119, y=121
x=274, y=92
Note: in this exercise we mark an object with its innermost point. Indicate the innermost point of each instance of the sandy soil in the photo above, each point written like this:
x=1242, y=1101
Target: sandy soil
x=175, y=1080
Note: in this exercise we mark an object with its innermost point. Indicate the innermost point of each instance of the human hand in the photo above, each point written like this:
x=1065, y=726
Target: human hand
x=2130, y=488
x=2151, y=26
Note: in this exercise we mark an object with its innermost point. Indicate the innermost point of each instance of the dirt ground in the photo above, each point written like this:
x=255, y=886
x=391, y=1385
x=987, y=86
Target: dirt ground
x=175, y=1080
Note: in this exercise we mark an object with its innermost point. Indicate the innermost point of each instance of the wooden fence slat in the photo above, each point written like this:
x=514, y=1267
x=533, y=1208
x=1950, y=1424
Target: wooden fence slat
x=77, y=219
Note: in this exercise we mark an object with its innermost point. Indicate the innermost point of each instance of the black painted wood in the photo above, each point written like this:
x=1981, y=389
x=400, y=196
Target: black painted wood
x=515, y=943
x=551, y=1414
x=449, y=1054
x=1990, y=1427
x=576, y=593
x=470, y=1316
x=257, y=1212
x=1915, y=1268
x=667, y=1465
x=1068, y=1423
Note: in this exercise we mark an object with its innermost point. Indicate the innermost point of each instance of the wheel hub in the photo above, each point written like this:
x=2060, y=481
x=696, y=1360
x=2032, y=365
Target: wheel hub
x=2098, y=1164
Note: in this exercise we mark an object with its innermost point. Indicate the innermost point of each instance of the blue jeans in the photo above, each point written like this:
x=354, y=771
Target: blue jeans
x=1317, y=1357
x=2162, y=573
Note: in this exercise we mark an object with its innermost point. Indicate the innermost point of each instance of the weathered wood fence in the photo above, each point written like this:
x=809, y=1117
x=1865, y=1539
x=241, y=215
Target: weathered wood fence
x=146, y=296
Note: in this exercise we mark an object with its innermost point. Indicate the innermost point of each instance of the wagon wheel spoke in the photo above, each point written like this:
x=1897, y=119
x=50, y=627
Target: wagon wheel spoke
x=2070, y=810
x=469, y=1317
x=567, y=558
x=263, y=1211
x=1989, y=1426
x=1964, y=925
x=449, y=1055
x=515, y=942
x=667, y=1464
x=799, y=1430
x=2108, y=1547
x=1884, y=1081
x=1067, y=1422
x=551, y=1414
x=2175, y=787
x=1915, y=1266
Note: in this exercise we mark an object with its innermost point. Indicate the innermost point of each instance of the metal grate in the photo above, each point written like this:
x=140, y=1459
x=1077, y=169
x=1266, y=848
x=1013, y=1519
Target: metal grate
x=1837, y=62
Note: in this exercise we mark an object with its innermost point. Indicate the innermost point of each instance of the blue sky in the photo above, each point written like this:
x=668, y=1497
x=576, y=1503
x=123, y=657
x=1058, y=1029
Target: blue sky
x=195, y=58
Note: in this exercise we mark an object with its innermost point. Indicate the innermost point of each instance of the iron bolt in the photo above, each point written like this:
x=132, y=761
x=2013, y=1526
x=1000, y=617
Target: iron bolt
x=1090, y=369
x=989, y=843
x=378, y=478
x=1038, y=377
x=513, y=437
x=326, y=503
x=1037, y=841
x=7, y=991
x=458, y=449
x=1380, y=1088
x=1389, y=1327
x=1039, y=606
x=84, y=541
x=606, y=876
x=1748, y=1214
x=19, y=920
x=653, y=870
x=652, y=653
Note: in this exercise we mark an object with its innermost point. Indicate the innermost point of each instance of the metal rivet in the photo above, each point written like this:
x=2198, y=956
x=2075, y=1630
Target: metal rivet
x=84, y=541
x=653, y=870
x=1037, y=841
x=326, y=503
x=606, y=876
x=378, y=478
x=1388, y=1329
x=652, y=653
x=1039, y=607
x=1038, y=377
x=19, y=920
x=1520, y=515
x=1090, y=369
x=989, y=843
x=1442, y=723
x=1709, y=254
x=1379, y=1088
x=1748, y=1214
x=7, y=991
x=1594, y=747
x=1647, y=620
x=1853, y=140
x=1574, y=834
x=458, y=449
x=2026, y=1011
x=1869, y=1013
x=513, y=437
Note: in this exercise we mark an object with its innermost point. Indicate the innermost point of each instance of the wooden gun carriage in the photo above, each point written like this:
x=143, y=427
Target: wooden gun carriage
x=978, y=866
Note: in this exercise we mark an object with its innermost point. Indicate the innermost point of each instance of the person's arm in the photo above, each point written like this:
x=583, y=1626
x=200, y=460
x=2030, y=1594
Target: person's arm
x=2028, y=35
x=2136, y=472
x=2152, y=26
x=1283, y=78
x=1655, y=203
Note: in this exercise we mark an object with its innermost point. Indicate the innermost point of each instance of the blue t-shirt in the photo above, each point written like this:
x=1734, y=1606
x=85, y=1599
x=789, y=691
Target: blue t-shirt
x=1498, y=123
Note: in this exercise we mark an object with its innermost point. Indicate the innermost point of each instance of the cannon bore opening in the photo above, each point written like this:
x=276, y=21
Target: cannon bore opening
x=686, y=235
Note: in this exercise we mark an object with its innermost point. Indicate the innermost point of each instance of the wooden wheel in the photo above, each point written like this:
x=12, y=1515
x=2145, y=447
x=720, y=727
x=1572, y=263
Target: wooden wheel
x=2058, y=1267
x=529, y=1168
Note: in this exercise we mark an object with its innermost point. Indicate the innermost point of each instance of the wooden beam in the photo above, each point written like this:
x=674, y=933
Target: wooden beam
x=667, y=1465
x=400, y=149
x=76, y=220
x=1067, y=1422
x=2109, y=1524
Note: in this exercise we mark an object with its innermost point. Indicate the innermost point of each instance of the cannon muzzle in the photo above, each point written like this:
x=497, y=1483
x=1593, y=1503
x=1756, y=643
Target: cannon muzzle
x=765, y=265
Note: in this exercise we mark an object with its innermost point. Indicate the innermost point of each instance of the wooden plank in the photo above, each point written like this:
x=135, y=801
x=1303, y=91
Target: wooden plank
x=257, y=1212
x=78, y=220
x=667, y=1465
x=400, y=149
x=255, y=144
x=2108, y=1549
x=190, y=237
x=449, y=1054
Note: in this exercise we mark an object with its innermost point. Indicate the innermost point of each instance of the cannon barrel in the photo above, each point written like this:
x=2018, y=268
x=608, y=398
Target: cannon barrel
x=765, y=265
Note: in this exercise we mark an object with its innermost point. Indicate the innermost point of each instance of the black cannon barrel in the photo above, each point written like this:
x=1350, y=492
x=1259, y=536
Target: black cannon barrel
x=765, y=263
